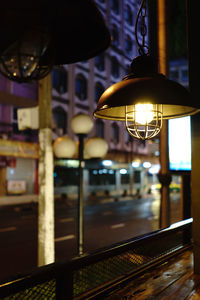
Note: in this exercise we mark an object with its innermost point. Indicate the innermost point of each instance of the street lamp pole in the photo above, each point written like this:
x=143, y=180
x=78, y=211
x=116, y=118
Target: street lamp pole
x=80, y=194
x=95, y=147
x=81, y=125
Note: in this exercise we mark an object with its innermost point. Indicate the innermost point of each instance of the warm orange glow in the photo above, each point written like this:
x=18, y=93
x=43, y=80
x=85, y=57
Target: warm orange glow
x=143, y=113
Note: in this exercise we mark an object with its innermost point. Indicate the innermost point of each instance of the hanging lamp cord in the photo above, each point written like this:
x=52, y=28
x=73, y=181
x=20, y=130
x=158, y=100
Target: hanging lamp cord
x=142, y=13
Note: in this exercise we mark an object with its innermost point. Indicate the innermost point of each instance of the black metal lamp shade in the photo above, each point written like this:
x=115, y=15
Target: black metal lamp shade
x=144, y=85
x=75, y=29
x=175, y=99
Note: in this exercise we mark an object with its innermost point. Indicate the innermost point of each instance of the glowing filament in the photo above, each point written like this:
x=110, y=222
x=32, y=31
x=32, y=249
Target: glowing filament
x=143, y=113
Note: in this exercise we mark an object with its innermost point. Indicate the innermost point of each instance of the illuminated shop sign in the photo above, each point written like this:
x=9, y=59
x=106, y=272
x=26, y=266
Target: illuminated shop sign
x=18, y=149
x=180, y=144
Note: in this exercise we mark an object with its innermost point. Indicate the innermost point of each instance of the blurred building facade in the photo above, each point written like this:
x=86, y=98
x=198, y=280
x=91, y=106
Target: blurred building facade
x=18, y=149
x=178, y=71
x=76, y=88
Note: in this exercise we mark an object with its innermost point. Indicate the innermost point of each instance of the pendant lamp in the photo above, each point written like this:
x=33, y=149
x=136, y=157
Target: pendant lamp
x=145, y=97
x=35, y=35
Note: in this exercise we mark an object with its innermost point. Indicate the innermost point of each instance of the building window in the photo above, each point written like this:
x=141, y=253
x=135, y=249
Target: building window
x=128, y=15
x=128, y=45
x=142, y=143
x=115, y=35
x=100, y=128
x=99, y=89
x=128, y=138
x=114, y=4
x=100, y=62
x=103, y=177
x=15, y=113
x=63, y=173
x=184, y=75
x=59, y=80
x=115, y=133
x=125, y=178
x=81, y=87
x=60, y=120
x=15, y=129
x=174, y=75
x=114, y=67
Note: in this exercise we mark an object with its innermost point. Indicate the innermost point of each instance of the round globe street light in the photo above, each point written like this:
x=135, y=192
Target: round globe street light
x=96, y=147
x=81, y=125
x=64, y=147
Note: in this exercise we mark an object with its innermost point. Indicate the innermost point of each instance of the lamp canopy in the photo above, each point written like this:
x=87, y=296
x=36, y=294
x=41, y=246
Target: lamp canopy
x=145, y=85
x=77, y=29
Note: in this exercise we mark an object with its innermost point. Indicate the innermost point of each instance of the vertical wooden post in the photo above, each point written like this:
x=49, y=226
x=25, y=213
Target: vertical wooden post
x=164, y=172
x=46, y=192
x=195, y=125
x=194, y=67
x=186, y=196
x=3, y=181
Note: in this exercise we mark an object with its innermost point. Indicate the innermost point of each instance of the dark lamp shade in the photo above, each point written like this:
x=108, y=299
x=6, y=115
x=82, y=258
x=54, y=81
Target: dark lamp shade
x=76, y=28
x=155, y=89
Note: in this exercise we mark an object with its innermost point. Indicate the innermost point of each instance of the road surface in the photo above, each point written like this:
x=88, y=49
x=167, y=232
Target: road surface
x=104, y=224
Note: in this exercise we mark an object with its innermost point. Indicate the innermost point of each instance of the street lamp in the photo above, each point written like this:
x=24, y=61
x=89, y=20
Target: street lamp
x=81, y=125
x=64, y=147
x=96, y=147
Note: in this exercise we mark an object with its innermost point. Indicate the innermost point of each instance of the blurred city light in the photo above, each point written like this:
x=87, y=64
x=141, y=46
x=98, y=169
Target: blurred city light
x=107, y=163
x=154, y=169
x=123, y=171
x=135, y=164
x=146, y=164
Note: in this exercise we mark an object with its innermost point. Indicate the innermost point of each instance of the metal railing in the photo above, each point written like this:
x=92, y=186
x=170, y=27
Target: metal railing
x=96, y=274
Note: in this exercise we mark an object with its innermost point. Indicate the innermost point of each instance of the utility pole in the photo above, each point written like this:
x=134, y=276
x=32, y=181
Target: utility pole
x=46, y=252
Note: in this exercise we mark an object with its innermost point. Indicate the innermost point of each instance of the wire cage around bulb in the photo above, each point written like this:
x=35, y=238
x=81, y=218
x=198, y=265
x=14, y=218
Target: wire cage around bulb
x=144, y=121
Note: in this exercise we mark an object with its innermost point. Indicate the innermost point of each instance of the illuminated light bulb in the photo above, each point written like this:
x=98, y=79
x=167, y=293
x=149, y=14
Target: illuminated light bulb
x=143, y=113
x=144, y=121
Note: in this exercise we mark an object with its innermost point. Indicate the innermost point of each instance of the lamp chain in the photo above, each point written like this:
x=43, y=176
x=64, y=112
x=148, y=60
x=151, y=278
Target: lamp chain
x=142, y=13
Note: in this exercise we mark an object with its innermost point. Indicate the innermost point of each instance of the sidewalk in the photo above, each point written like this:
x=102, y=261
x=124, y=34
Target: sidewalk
x=29, y=198
x=17, y=199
